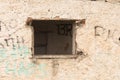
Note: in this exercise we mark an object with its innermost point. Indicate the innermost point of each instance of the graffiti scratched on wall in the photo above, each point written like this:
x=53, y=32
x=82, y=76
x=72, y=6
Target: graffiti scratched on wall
x=106, y=34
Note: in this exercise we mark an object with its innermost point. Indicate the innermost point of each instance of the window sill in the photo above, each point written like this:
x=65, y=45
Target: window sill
x=54, y=56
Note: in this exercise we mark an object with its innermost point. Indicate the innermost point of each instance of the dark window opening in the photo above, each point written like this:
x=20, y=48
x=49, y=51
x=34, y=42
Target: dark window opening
x=53, y=37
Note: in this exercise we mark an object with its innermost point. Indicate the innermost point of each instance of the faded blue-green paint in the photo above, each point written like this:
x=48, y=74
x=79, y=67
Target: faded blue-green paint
x=24, y=69
x=20, y=69
x=42, y=68
x=23, y=51
x=2, y=53
x=15, y=67
x=10, y=69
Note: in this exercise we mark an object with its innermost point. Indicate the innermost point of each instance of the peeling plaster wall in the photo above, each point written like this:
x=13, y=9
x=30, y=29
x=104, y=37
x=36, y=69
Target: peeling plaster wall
x=98, y=39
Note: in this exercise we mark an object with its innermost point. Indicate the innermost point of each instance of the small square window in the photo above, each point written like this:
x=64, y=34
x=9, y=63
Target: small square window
x=53, y=38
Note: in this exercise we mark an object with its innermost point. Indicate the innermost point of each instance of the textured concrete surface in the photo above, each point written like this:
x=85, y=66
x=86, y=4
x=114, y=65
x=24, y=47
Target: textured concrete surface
x=98, y=39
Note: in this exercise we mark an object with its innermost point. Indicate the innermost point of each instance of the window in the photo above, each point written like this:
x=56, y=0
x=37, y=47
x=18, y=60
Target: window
x=53, y=38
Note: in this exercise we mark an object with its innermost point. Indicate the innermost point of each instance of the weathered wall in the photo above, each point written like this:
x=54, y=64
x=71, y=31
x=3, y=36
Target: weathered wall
x=98, y=38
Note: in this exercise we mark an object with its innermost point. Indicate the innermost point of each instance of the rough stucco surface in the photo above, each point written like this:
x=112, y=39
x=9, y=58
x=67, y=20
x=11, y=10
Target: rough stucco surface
x=98, y=38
